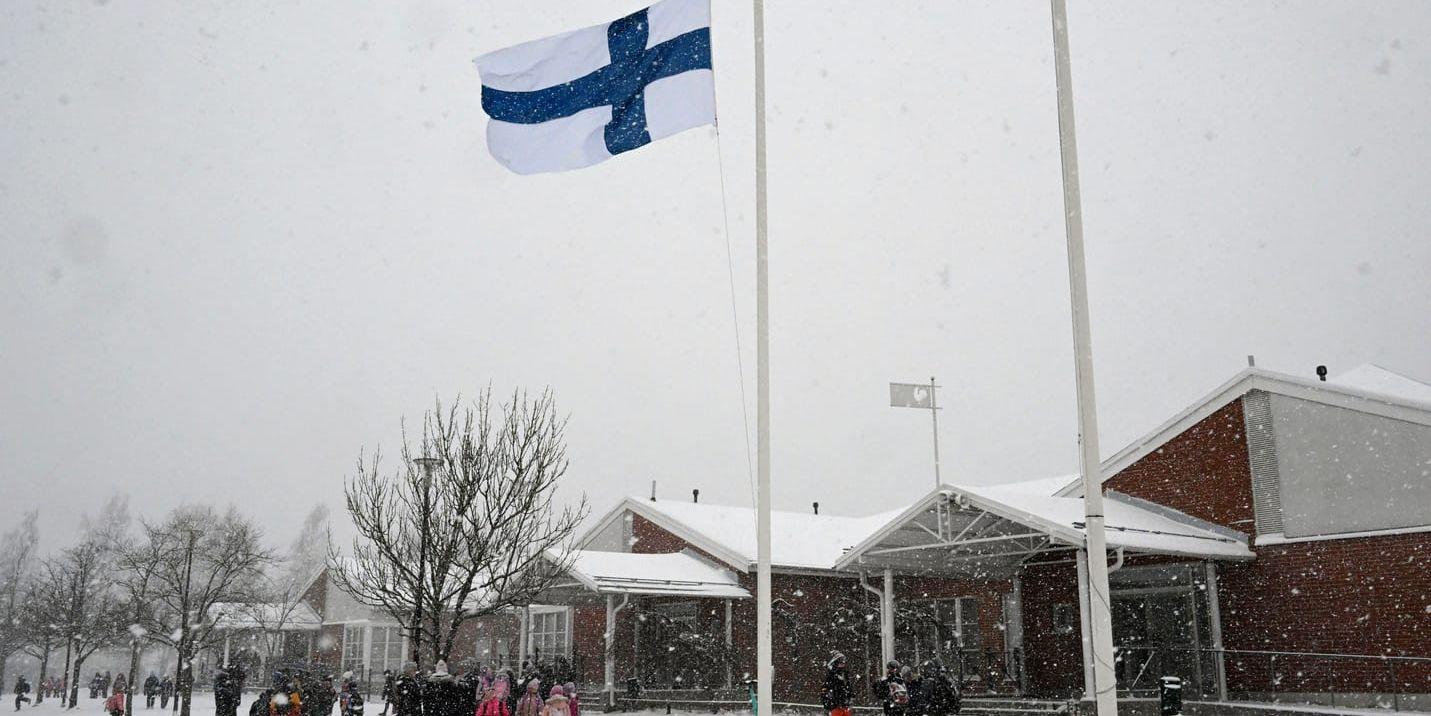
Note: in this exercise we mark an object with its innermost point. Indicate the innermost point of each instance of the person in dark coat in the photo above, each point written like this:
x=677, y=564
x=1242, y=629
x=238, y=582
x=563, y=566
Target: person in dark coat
x=407, y=692
x=835, y=697
x=22, y=691
x=166, y=690
x=443, y=696
x=914, y=684
x=151, y=690
x=104, y=684
x=387, y=694
x=320, y=701
x=891, y=692
x=226, y=694
x=941, y=696
x=95, y=685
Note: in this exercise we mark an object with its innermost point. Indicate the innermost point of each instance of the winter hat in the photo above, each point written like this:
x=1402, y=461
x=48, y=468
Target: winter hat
x=500, y=689
x=570, y=688
x=905, y=671
x=892, y=664
x=558, y=691
x=835, y=658
x=440, y=669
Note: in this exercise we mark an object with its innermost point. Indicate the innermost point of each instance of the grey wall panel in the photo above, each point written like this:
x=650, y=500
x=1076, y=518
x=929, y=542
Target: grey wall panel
x=1345, y=471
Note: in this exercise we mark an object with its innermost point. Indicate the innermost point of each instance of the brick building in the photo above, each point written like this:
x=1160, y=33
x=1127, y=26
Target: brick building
x=1272, y=540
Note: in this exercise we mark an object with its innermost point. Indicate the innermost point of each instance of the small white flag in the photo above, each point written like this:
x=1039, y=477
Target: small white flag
x=911, y=395
x=577, y=99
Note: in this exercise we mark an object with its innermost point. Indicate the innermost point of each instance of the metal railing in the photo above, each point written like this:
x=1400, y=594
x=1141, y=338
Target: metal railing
x=1256, y=675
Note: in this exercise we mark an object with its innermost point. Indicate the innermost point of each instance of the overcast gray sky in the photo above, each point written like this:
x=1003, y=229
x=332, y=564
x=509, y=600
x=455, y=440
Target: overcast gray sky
x=239, y=241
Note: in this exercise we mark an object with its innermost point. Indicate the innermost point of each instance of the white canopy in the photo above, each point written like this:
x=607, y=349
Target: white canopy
x=959, y=528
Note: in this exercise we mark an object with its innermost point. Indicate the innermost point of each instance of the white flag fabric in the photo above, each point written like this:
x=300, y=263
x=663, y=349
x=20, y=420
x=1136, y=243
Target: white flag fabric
x=911, y=395
x=577, y=99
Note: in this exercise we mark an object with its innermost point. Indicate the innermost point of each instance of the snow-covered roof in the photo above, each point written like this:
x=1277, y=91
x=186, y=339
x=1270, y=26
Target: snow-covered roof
x=1375, y=379
x=1366, y=388
x=799, y=540
x=269, y=616
x=983, y=527
x=674, y=574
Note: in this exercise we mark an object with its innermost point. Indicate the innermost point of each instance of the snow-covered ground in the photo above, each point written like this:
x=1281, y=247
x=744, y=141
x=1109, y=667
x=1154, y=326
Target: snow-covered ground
x=203, y=705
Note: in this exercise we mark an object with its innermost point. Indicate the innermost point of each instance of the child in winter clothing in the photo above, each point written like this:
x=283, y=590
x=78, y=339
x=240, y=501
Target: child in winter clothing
x=531, y=702
x=494, y=699
x=114, y=705
x=835, y=697
x=572, y=701
x=557, y=703
x=353, y=704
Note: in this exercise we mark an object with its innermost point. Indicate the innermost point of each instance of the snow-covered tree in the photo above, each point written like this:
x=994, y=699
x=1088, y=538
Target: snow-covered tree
x=462, y=528
x=199, y=558
x=17, y=556
x=91, y=614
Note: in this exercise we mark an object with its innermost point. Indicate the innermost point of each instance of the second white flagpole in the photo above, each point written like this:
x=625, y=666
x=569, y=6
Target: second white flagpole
x=765, y=668
x=1104, y=684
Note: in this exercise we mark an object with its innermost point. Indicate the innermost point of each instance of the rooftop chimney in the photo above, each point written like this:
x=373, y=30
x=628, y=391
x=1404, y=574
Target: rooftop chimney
x=1322, y=373
x=696, y=496
x=816, y=505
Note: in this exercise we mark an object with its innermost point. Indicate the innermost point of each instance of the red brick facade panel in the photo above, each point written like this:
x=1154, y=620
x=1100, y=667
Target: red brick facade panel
x=1203, y=472
x=1350, y=596
x=1053, y=651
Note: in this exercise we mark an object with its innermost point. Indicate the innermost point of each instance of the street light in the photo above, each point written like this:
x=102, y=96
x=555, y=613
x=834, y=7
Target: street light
x=428, y=464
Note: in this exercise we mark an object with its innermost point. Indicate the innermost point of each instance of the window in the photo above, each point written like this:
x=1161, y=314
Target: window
x=549, y=633
x=385, y=649
x=494, y=652
x=1064, y=619
x=353, y=648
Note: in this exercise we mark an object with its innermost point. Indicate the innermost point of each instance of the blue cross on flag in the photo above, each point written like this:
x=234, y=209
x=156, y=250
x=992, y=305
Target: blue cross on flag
x=576, y=99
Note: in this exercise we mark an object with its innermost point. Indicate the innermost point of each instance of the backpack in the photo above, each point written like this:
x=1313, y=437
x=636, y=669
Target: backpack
x=898, y=695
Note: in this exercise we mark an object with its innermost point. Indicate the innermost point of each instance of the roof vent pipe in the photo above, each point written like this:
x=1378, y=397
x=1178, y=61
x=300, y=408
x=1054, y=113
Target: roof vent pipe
x=653, y=490
x=1251, y=361
x=816, y=505
x=1322, y=373
x=696, y=496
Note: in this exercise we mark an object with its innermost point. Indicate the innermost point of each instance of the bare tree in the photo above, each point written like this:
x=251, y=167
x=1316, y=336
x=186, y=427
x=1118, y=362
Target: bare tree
x=17, y=556
x=463, y=528
x=199, y=559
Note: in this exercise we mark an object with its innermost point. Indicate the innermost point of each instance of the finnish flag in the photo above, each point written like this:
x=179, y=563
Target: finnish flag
x=579, y=98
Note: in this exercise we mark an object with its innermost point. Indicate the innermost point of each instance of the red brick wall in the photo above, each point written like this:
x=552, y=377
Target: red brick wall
x=588, y=646
x=1203, y=472
x=1053, y=659
x=803, y=635
x=1368, y=595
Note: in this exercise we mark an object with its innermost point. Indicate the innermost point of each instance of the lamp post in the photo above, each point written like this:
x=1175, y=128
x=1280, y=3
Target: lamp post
x=428, y=464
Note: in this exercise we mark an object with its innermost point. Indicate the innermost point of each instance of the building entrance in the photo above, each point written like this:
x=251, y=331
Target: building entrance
x=1161, y=627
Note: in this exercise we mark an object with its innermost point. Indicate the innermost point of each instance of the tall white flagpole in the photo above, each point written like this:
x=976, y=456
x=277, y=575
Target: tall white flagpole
x=764, y=667
x=1104, y=683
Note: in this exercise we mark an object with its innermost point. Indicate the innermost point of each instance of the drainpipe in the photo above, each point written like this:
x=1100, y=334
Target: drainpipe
x=886, y=621
x=1117, y=562
x=612, y=609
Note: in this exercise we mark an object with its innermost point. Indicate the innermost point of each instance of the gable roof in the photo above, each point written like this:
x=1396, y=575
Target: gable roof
x=679, y=574
x=1366, y=388
x=1129, y=525
x=799, y=540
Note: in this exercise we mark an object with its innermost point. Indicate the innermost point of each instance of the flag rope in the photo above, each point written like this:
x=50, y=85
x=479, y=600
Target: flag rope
x=734, y=310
